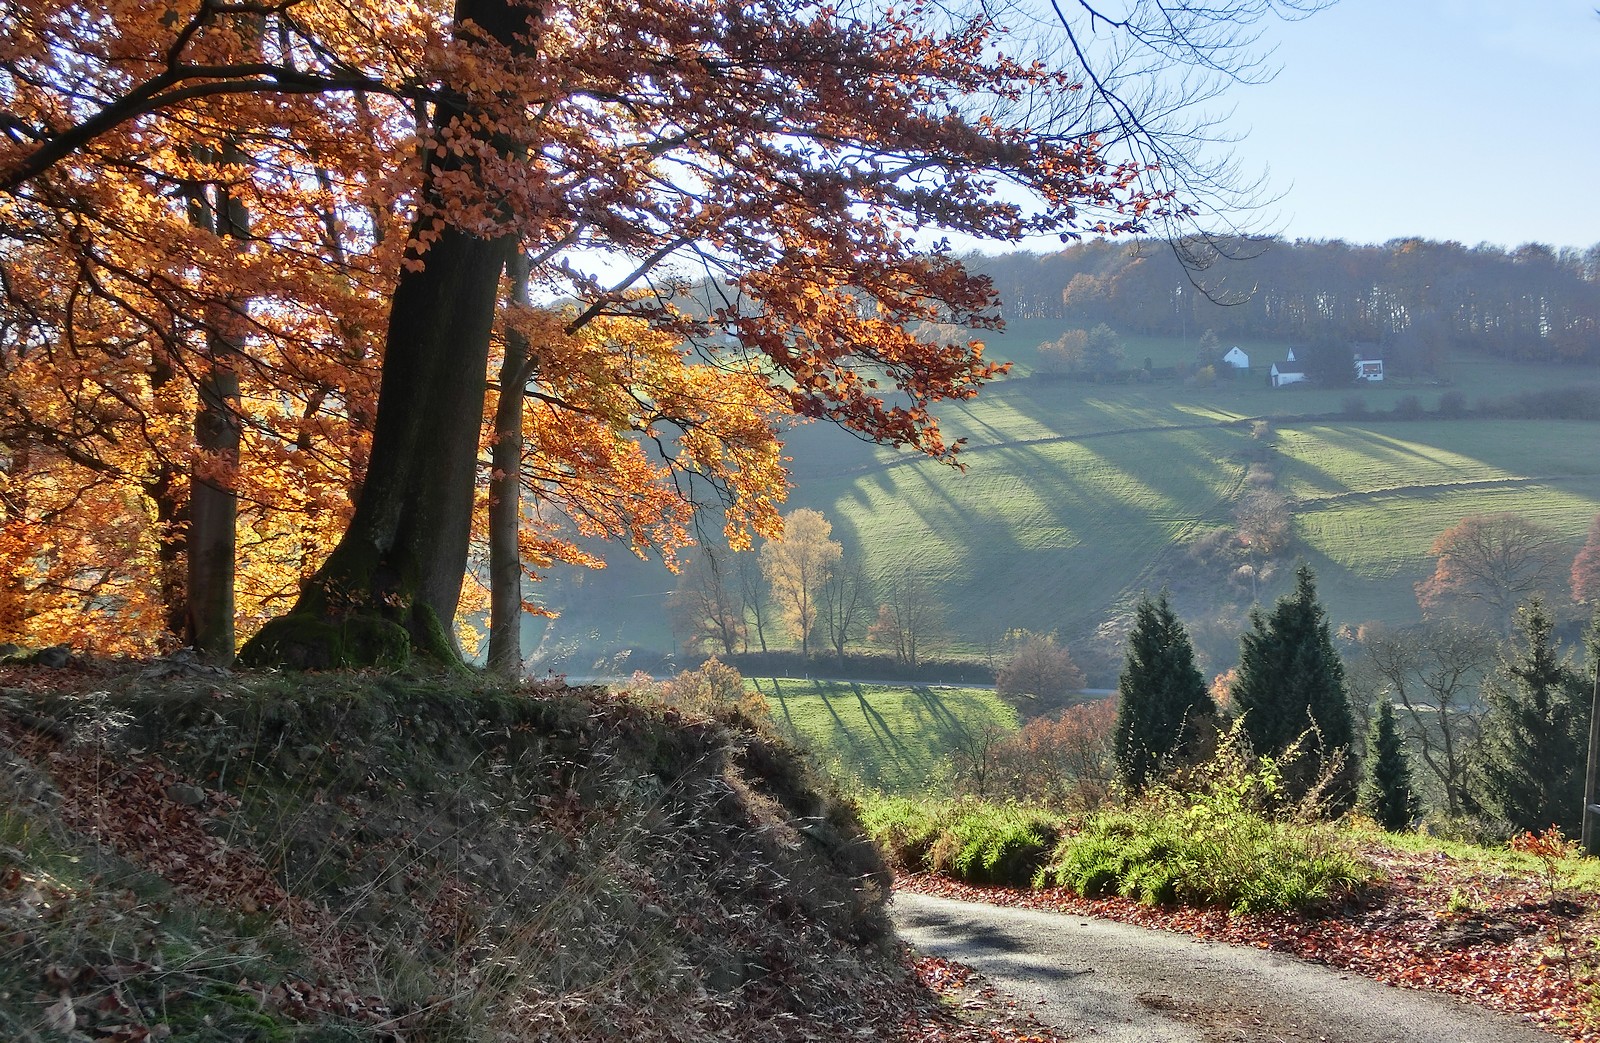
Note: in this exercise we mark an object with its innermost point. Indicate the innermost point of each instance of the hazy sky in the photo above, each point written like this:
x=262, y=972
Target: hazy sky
x=1472, y=120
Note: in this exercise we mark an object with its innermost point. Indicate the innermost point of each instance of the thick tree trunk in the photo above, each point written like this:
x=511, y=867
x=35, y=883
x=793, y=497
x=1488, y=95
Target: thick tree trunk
x=394, y=580
x=505, y=490
x=214, y=512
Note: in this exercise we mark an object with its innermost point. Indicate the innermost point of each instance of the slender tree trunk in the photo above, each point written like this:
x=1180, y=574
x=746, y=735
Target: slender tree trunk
x=213, y=502
x=13, y=509
x=505, y=489
x=169, y=498
x=750, y=594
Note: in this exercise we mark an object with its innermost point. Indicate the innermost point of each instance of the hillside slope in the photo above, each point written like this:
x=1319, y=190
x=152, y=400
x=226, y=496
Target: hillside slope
x=1077, y=498
x=195, y=855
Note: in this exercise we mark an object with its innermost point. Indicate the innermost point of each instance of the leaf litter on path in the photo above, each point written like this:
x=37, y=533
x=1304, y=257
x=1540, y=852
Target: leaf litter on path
x=1431, y=921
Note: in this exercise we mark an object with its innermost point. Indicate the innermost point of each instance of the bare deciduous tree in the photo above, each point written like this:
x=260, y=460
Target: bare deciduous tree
x=909, y=617
x=1431, y=672
x=844, y=601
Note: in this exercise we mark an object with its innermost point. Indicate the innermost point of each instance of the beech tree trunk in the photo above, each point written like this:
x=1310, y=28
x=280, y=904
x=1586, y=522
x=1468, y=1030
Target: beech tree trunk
x=213, y=503
x=394, y=581
x=505, y=494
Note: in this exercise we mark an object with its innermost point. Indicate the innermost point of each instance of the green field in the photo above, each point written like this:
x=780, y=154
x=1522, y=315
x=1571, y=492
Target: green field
x=885, y=738
x=1077, y=497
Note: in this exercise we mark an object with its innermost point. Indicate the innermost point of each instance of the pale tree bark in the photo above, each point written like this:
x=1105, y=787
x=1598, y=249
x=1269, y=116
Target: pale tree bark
x=505, y=490
x=1432, y=671
x=703, y=608
x=796, y=567
x=909, y=617
x=753, y=598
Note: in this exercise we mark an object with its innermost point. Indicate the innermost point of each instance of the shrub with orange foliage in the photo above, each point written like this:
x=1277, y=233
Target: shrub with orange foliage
x=1065, y=761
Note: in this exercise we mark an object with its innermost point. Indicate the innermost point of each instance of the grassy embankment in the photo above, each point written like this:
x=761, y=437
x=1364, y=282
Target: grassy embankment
x=219, y=858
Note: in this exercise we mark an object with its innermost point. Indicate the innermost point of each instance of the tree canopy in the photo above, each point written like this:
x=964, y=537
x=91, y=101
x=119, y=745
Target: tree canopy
x=759, y=188
x=1488, y=564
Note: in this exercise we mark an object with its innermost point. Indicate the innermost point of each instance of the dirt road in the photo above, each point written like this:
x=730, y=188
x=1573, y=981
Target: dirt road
x=1111, y=982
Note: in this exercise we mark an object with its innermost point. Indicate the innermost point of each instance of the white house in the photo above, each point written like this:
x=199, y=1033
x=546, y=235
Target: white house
x=1287, y=372
x=1369, y=370
x=1237, y=358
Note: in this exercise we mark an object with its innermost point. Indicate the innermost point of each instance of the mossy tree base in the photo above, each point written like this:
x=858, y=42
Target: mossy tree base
x=302, y=641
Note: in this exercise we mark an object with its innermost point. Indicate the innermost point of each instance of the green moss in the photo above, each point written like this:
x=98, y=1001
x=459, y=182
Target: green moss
x=432, y=639
x=301, y=641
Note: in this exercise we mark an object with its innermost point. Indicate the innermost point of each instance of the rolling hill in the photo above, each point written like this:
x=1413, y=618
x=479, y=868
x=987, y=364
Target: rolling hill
x=1076, y=497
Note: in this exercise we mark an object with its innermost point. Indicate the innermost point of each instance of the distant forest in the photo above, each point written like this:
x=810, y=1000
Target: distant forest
x=1414, y=297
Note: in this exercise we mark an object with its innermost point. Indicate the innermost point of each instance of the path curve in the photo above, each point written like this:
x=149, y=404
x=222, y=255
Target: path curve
x=1114, y=983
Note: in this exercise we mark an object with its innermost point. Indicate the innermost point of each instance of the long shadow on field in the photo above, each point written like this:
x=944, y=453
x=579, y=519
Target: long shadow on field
x=847, y=743
x=935, y=707
x=783, y=704
x=880, y=728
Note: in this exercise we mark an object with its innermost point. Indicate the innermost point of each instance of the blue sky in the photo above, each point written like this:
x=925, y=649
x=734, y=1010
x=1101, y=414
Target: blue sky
x=1472, y=120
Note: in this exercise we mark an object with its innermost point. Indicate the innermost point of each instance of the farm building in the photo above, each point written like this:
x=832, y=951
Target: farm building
x=1287, y=372
x=1236, y=358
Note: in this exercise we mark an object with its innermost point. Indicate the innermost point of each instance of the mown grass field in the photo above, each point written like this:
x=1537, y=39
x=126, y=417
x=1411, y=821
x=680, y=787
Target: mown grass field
x=881, y=737
x=1078, y=497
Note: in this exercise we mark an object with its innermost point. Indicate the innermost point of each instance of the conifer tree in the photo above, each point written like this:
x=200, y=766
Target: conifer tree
x=1290, y=683
x=1538, y=731
x=1387, y=792
x=1163, y=695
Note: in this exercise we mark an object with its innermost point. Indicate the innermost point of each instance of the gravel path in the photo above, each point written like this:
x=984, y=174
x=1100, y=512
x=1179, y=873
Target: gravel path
x=1112, y=982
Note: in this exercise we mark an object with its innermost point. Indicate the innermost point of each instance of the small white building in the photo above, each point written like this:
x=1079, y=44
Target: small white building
x=1286, y=373
x=1369, y=370
x=1236, y=358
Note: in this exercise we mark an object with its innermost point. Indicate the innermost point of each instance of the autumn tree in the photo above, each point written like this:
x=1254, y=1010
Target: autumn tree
x=1163, y=700
x=1586, y=567
x=1038, y=670
x=1488, y=564
x=793, y=154
x=1290, y=688
x=1065, y=761
x=592, y=458
x=797, y=566
x=1066, y=353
